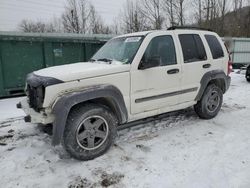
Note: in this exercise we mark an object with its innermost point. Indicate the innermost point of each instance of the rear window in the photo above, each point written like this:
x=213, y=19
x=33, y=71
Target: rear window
x=192, y=48
x=215, y=46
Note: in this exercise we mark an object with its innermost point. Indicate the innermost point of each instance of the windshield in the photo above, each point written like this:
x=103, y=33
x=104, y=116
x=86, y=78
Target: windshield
x=121, y=49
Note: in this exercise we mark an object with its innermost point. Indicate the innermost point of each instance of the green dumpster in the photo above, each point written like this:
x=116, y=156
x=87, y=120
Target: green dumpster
x=22, y=53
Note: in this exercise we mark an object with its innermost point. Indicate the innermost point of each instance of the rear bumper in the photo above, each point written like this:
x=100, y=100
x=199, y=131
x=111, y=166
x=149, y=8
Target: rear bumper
x=32, y=115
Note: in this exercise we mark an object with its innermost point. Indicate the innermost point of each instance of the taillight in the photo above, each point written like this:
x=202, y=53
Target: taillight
x=229, y=67
x=230, y=63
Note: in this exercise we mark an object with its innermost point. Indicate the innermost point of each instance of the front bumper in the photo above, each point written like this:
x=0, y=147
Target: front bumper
x=33, y=116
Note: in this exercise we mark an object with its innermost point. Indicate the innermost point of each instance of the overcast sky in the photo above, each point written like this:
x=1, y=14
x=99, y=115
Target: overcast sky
x=14, y=11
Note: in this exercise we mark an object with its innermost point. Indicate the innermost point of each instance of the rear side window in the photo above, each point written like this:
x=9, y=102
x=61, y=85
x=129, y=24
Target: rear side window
x=192, y=48
x=215, y=47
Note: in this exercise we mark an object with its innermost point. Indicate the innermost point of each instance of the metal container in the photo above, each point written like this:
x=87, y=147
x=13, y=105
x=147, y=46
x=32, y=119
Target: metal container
x=239, y=49
x=22, y=53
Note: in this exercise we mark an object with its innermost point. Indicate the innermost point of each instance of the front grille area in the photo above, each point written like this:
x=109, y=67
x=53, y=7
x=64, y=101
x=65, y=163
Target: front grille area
x=36, y=97
x=36, y=89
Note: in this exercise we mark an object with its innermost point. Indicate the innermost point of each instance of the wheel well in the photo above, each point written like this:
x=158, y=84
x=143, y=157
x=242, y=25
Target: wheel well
x=220, y=83
x=106, y=102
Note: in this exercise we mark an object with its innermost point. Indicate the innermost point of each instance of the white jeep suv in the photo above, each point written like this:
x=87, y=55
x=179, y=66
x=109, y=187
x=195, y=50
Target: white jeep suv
x=131, y=77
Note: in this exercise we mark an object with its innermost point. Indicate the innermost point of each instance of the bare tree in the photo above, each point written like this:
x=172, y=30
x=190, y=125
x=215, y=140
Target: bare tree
x=223, y=10
x=152, y=10
x=211, y=13
x=247, y=23
x=80, y=16
x=200, y=13
x=116, y=27
x=175, y=11
x=237, y=4
x=181, y=12
x=84, y=14
x=96, y=24
x=75, y=16
x=207, y=8
x=132, y=19
x=70, y=17
x=169, y=6
x=36, y=26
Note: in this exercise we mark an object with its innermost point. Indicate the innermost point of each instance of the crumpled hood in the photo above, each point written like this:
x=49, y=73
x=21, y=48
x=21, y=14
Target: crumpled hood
x=81, y=70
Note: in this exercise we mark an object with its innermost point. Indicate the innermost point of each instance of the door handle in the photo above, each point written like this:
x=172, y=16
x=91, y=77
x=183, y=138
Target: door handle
x=205, y=66
x=173, y=71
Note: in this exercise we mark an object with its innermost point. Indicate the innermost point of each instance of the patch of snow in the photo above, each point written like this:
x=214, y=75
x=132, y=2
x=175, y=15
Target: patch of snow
x=8, y=108
x=177, y=151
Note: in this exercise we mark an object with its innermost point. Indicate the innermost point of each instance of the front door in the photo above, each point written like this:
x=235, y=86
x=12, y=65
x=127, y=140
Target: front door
x=156, y=82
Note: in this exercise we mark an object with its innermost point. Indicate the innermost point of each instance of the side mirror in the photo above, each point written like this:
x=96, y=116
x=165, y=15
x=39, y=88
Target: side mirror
x=149, y=62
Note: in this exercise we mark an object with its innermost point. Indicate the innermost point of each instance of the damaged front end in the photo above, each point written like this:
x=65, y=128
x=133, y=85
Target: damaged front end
x=33, y=104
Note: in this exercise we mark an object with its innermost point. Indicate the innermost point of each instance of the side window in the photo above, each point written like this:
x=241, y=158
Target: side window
x=215, y=47
x=160, y=49
x=192, y=48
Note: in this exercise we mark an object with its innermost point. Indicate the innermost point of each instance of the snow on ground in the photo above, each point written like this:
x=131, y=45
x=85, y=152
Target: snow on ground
x=179, y=150
x=7, y=109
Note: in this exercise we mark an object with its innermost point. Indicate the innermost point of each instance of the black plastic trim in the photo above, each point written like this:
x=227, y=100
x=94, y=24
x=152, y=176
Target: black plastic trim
x=35, y=89
x=189, y=27
x=166, y=95
x=213, y=75
x=36, y=80
x=27, y=119
x=19, y=105
x=64, y=104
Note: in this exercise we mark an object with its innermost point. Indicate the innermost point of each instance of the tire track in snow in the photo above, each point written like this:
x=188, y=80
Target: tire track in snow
x=9, y=121
x=149, y=128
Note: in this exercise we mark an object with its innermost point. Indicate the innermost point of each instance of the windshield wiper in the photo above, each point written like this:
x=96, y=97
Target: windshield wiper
x=92, y=60
x=105, y=60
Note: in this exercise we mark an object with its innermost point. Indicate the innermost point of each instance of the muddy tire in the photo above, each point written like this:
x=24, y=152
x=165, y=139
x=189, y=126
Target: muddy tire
x=210, y=103
x=90, y=131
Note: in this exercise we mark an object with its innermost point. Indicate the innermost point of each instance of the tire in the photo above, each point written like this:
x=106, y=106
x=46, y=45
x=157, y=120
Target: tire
x=248, y=74
x=90, y=131
x=210, y=103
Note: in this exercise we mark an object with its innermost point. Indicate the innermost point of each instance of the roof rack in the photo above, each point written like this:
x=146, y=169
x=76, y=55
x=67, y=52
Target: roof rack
x=188, y=27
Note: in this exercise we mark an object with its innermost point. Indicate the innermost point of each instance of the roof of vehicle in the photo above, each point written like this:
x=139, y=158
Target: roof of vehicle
x=184, y=29
x=142, y=33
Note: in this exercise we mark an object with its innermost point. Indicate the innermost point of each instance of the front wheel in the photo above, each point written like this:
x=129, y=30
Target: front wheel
x=90, y=131
x=210, y=103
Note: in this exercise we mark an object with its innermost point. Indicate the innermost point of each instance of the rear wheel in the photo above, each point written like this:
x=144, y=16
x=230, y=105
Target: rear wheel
x=89, y=132
x=210, y=103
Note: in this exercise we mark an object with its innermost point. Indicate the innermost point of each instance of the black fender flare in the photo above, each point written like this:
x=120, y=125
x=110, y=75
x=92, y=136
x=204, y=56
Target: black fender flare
x=213, y=75
x=64, y=104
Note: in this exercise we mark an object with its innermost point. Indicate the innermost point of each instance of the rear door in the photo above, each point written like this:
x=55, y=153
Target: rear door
x=195, y=62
